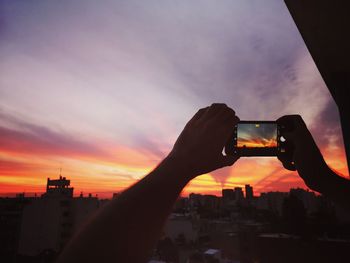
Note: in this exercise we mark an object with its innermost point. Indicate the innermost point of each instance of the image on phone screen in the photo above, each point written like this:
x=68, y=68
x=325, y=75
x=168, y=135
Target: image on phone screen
x=254, y=138
x=256, y=135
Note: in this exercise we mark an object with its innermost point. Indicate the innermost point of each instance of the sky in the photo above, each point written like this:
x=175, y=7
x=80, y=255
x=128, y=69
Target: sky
x=102, y=89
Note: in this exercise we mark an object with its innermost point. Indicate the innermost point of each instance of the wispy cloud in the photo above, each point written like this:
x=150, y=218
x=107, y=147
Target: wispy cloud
x=32, y=139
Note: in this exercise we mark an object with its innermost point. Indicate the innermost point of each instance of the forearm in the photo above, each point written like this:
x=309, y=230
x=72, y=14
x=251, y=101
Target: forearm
x=337, y=189
x=344, y=111
x=127, y=228
x=318, y=176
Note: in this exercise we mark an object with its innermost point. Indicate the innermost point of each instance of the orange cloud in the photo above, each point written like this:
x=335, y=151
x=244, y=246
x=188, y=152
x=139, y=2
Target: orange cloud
x=30, y=155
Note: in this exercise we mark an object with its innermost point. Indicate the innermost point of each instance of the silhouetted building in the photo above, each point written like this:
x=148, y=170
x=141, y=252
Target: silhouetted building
x=231, y=197
x=272, y=201
x=180, y=225
x=205, y=201
x=11, y=210
x=249, y=192
x=49, y=222
x=58, y=188
x=195, y=200
x=308, y=198
x=238, y=194
x=211, y=201
x=228, y=194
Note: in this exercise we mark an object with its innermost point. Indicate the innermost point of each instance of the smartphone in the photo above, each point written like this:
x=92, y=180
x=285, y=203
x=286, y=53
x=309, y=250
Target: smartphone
x=255, y=138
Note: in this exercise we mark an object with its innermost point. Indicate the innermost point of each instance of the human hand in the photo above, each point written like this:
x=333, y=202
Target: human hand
x=306, y=158
x=199, y=146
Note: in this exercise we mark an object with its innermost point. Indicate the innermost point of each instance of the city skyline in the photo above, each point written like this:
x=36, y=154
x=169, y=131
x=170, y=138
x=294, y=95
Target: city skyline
x=39, y=228
x=103, y=91
x=65, y=182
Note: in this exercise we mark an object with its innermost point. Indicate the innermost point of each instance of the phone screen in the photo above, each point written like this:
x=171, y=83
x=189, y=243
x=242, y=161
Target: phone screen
x=256, y=135
x=254, y=138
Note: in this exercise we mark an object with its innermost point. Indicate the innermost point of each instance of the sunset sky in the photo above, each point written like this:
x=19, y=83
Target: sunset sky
x=103, y=88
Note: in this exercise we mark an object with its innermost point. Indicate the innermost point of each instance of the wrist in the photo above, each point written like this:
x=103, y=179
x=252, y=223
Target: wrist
x=333, y=184
x=177, y=168
x=328, y=181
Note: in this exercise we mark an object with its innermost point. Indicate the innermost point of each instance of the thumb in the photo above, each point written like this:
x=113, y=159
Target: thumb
x=228, y=160
x=288, y=135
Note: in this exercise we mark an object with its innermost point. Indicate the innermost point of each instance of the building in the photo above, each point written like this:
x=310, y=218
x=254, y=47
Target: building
x=228, y=194
x=11, y=211
x=238, y=194
x=50, y=221
x=271, y=201
x=181, y=226
x=58, y=188
x=202, y=201
x=249, y=194
x=308, y=198
x=232, y=197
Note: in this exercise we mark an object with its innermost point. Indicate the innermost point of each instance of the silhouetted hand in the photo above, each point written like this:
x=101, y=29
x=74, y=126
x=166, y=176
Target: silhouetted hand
x=199, y=146
x=306, y=158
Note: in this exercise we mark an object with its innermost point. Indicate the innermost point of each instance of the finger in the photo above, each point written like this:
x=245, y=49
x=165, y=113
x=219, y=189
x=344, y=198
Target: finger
x=226, y=117
x=290, y=125
x=226, y=113
x=290, y=122
x=226, y=122
x=289, y=166
x=219, y=105
x=287, y=163
x=288, y=118
x=289, y=136
x=231, y=119
x=198, y=115
x=215, y=109
x=228, y=160
x=228, y=125
x=224, y=131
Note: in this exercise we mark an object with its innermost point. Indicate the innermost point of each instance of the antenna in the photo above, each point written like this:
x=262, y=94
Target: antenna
x=61, y=170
